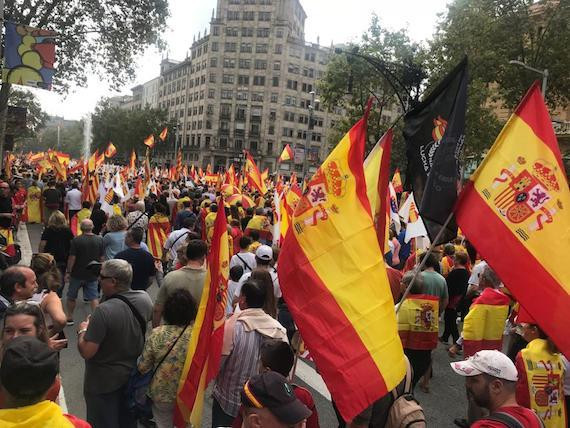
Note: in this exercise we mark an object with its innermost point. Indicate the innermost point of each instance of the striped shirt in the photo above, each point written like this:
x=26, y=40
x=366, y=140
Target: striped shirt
x=238, y=367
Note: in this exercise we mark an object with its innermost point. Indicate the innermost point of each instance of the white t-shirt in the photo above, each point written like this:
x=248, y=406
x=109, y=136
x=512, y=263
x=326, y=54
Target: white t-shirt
x=241, y=259
x=173, y=242
x=73, y=199
x=274, y=279
x=476, y=272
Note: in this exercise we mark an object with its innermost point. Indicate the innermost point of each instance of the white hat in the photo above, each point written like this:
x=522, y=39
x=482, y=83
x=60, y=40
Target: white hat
x=264, y=252
x=493, y=363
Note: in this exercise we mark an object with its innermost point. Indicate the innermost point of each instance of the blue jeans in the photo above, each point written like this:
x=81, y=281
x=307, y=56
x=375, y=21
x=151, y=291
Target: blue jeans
x=90, y=291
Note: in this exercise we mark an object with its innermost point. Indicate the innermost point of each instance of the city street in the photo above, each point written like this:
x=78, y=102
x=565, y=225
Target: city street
x=445, y=401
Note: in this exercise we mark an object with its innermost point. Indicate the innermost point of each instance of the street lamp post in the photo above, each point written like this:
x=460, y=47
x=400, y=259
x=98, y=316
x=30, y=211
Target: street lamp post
x=543, y=73
x=311, y=108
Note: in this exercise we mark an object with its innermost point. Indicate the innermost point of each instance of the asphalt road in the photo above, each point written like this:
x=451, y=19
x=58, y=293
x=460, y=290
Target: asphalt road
x=445, y=401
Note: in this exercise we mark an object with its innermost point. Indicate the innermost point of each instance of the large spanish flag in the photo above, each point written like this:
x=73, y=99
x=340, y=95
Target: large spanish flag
x=484, y=324
x=515, y=210
x=204, y=354
x=158, y=230
x=333, y=279
x=418, y=321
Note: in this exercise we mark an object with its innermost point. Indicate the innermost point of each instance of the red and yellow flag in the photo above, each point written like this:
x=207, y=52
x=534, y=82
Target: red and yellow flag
x=158, y=230
x=253, y=176
x=133, y=161
x=110, y=151
x=163, y=134
x=286, y=154
x=205, y=348
x=515, y=211
x=397, y=181
x=418, y=320
x=90, y=188
x=9, y=161
x=377, y=173
x=178, y=165
x=149, y=141
x=333, y=278
x=484, y=324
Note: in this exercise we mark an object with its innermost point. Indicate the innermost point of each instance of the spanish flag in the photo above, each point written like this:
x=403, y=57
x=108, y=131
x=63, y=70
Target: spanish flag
x=418, y=321
x=397, y=181
x=333, y=279
x=163, y=134
x=204, y=354
x=286, y=154
x=133, y=161
x=149, y=141
x=519, y=197
x=110, y=151
x=377, y=173
x=484, y=324
x=254, y=177
x=158, y=230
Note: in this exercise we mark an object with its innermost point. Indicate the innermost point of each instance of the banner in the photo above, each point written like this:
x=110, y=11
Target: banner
x=29, y=56
x=435, y=132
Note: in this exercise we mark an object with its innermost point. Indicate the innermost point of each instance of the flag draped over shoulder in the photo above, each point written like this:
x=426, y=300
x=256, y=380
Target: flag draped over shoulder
x=333, y=279
x=418, y=320
x=205, y=348
x=435, y=132
x=515, y=210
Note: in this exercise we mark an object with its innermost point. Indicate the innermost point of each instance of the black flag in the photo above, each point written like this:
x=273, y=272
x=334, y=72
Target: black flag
x=435, y=132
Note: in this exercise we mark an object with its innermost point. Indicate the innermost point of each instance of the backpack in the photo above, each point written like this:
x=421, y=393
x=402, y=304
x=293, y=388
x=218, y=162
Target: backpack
x=405, y=412
x=509, y=420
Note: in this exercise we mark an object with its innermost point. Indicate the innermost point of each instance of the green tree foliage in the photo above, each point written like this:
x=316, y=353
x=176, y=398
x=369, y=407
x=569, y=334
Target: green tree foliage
x=350, y=81
x=126, y=129
x=95, y=36
x=70, y=140
x=35, y=116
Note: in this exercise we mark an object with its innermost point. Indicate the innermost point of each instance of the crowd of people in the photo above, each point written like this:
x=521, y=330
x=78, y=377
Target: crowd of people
x=111, y=255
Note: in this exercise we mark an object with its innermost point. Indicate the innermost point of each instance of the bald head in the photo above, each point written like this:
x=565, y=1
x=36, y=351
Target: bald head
x=86, y=226
x=18, y=283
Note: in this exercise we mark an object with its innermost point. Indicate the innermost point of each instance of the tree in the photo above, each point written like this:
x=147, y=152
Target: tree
x=70, y=140
x=95, y=36
x=350, y=80
x=35, y=116
x=492, y=32
x=126, y=129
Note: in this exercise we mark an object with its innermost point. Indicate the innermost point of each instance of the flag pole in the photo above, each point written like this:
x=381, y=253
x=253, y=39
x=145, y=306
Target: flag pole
x=424, y=260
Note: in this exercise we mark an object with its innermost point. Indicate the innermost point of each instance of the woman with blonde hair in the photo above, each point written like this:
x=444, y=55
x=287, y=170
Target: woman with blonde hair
x=49, y=279
x=114, y=239
x=56, y=240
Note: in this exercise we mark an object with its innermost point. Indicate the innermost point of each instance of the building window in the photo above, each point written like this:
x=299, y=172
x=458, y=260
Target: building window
x=289, y=116
x=208, y=124
x=242, y=95
x=248, y=15
x=259, y=80
x=216, y=31
x=292, y=84
x=223, y=143
x=260, y=64
x=257, y=96
x=212, y=77
x=199, y=124
x=271, y=130
x=229, y=62
x=310, y=56
x=261, y=48
x=226, y=111
x=245, y=64
x=264, y=16
x=238, y=144
x=228, y=78
x=230, y=47
x=207, y=141
x=290, y=101
x=269, y=147
x=247, y=32
x=275, y=81
x=232, y=31
x=278, y=49
x=243, y=80
x=211, y=93
x=215, y=47
x=233, y=15
x=287, y=132
x=246, y=47
x=253, y=146
x=227, y=94
x=274, y=97
x=277, y=65
x=279, y=33
x=263, y=32
x=240, y=112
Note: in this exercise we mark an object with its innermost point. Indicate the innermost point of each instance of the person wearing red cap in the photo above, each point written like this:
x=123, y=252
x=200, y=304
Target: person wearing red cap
x=541, y=373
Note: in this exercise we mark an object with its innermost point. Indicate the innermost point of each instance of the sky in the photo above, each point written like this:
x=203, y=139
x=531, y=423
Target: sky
x=338, y=21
